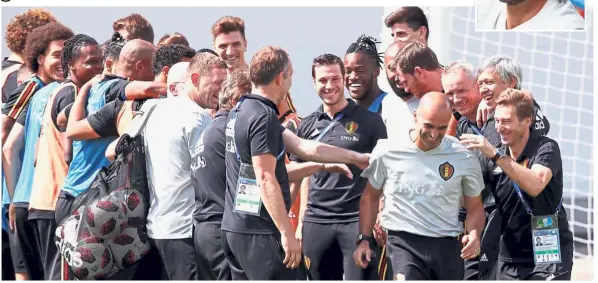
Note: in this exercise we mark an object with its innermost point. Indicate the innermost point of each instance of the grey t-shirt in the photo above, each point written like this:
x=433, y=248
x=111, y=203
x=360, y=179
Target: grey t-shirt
x=423, y=190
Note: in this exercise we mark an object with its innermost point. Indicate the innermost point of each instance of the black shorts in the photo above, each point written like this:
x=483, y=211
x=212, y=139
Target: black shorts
x=530, y=271
x=25, y=235
x=257, y=257
x=415, y=257
x=178, y=257
x=330, y=247
x=63, y=206
x=46, y=248
x=480, y=268
x=210, y=259
x=8, y=270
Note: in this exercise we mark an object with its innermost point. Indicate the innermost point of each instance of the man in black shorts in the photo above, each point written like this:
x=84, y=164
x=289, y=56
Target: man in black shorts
x=330, y=224
x=259, y=241
x=527, y=182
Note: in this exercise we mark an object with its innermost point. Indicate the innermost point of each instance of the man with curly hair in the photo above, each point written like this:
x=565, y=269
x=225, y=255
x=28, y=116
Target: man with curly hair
x=16, y=34
x=168, y=55
x=42, y=56
x=133, y=26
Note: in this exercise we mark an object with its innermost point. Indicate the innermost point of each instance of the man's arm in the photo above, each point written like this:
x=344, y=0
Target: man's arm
x=368, y=209
x=321, y=152
x=139, y=90
x=111, y=150
x=99, y=124
x=297, y=171
x=7, y=124
x=78, y=109
x=476, y=217
x=10, y=157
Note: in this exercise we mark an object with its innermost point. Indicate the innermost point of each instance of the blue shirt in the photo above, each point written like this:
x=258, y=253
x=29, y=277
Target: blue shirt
x=89, y=155
x=33, y=125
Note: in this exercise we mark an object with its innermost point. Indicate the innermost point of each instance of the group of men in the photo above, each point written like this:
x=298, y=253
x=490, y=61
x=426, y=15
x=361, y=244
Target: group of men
x=444, y=177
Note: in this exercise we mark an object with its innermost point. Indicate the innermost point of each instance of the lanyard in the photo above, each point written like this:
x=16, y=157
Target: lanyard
x=515, y=186
x=327, y=129
x=235, y=110
x=376, y=104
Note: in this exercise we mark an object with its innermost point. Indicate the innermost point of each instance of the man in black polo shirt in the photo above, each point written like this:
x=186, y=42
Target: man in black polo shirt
x=527, y=176
x=332, y=216
x=259, y=241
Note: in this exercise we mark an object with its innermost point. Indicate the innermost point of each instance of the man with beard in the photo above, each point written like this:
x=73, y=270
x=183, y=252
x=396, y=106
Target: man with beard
x=330, y=223
x=43, y=51
x=229, y=41
x=530, y=15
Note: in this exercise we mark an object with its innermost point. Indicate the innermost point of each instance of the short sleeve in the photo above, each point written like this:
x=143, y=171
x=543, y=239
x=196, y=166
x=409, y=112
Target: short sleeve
x=67, y=110
x=473, y=182
x=103, y=122
x=549, y=156
x=18, y=100
x=63, y=98
x=117, y=91
x=21, y=119
x=377, y=172
x=379, y=129
x=265, y=135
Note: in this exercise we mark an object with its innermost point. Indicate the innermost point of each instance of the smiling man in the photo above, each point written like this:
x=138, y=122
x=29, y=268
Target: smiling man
x=230, y=42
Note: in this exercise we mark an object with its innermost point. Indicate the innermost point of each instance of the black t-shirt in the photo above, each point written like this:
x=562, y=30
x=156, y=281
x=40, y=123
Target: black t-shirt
x=64, y=97
x=18, y=101
x=256, y=132
x=333, y=197
x=10, y=83
x=105, y=121
x=516, y=242
x=208, y=171
x=114, y=92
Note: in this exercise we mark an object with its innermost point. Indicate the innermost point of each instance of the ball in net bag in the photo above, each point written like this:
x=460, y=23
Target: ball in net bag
x=106, y=217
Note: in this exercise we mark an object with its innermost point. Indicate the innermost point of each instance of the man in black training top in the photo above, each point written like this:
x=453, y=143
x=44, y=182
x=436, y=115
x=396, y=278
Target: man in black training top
x=526, y=174
x=332, y=214
x=255, y=154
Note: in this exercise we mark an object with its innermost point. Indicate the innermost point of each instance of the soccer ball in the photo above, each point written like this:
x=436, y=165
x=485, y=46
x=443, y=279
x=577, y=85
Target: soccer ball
x=106, y=217
x=128, y=248
x=96, y=259
x=135, y=204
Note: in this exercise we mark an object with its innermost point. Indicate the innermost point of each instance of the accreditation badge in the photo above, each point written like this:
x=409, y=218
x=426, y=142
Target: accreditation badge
x=248, y=200
x=545, y=239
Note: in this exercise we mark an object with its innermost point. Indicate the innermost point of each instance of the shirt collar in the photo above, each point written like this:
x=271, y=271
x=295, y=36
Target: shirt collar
x=112, y=77
x=222, y=113
x=264, y=100
x=528, y=151
x=347, y=111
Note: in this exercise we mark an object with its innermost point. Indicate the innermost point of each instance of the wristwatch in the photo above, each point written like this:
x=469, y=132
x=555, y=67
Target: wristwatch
x=362, y=237
x=499, y=153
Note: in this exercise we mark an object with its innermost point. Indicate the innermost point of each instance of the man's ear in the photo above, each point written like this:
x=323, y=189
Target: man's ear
x=195, y=79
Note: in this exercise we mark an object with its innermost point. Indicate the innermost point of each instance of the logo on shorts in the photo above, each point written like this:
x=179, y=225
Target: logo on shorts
x=351, y=127
x=307, y=262
x=446, y=171
x=400, y=277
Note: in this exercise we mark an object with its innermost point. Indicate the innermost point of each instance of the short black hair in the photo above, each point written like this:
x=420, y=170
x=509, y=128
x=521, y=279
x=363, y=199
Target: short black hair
x=367, y=45
x=112, y=51
x=327, y=59
x=414, y=17
x=207, y=50
x=168, y=55
x=39, y=39
x=72, y=50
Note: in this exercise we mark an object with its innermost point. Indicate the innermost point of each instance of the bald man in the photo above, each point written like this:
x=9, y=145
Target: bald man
x=176, y=79
x=133, y=80
x=424, y=178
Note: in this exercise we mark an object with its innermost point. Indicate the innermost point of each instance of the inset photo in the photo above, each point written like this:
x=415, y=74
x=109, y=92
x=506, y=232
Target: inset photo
x=530, y=15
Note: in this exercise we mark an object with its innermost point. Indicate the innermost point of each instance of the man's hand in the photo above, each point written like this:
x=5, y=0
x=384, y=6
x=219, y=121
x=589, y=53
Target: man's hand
x=478, y=142
x=471, y=244
x=11, y=217
x=292, y=250
x=483, y=112
x=379, y=234
x=299, y=234
x=362, y=161
x=363, y=254
x=338, y=168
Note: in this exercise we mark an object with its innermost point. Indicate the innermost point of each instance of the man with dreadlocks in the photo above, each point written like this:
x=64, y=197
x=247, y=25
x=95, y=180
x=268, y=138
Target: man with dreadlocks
x=331, y=218
x=81, y=60
x=42, y=52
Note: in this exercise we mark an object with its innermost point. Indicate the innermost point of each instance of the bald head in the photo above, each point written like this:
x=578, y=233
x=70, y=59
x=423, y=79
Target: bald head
x=136, y=60
x=176, y=78
x=435, y=105
x=392, y=51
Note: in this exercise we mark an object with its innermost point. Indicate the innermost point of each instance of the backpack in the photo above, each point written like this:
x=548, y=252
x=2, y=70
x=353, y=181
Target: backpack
x=105, y=236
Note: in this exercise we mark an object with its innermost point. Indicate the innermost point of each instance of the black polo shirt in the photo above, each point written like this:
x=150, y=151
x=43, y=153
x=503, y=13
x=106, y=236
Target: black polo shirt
x=256, y=132
x=208, y=171
x=516, y=241
x=333, y=197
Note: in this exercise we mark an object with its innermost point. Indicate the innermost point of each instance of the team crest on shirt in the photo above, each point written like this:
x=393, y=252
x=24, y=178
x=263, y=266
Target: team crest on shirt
x=351, y=127
x=446, y=170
